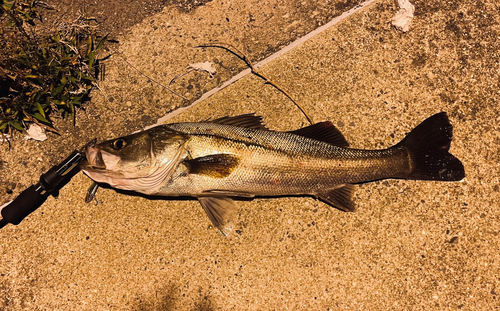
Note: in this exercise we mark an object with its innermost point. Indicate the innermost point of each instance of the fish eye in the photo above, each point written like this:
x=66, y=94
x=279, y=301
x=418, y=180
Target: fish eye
x=120, y=143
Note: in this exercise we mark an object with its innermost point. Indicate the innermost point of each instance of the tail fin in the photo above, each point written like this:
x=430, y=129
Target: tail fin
x=428, y=145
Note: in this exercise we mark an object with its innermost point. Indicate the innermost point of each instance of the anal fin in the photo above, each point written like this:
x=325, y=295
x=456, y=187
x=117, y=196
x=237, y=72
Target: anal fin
x=221, y=211
x=340, y=198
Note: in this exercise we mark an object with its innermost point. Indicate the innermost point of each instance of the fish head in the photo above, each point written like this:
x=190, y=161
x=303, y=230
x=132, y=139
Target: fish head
x=138, y=162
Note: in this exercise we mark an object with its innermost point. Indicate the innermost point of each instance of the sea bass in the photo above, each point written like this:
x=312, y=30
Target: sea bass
x=233, y=157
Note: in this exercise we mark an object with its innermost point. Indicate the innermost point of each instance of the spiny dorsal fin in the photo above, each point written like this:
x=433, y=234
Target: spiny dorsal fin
x=323, y=131
x=221, y=211
x=249, y=120
x=214, y=165
x=340, y=198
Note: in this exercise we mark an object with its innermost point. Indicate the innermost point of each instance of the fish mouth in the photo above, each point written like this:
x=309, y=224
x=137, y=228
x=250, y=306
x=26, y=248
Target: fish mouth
x=94, y=156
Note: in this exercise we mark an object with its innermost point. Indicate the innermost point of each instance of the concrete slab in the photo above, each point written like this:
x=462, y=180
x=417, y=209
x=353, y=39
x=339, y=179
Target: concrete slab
x=410, y=245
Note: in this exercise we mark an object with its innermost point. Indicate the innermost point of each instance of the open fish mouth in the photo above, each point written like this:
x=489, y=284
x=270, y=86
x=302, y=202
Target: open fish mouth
x=98, y=159
x=94, y=156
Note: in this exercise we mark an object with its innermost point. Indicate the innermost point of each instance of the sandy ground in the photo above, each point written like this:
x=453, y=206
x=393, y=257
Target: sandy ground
x=411, y=245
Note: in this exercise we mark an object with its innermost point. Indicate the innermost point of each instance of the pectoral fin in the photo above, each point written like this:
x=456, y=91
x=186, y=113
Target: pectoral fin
x=221, y=211
x=215, y=165
x=340, y=198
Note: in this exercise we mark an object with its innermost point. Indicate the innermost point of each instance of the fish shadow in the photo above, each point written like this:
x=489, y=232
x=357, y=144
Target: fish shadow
x=167, y=198
x=190, y=198
x=169, y=297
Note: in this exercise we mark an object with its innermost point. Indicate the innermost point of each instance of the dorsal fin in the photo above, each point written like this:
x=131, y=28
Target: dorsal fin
x=249, y=120
x=323, y=131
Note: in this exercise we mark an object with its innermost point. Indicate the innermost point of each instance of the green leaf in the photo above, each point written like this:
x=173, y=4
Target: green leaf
x=7, y=5
x=101, y=43
x=17, y=125
x=40, y=109
x=78, y=99
x=3, y=125
x=39, y=117
x=57, y=90
x=91, y=59
x=90, y=45
x=72, y=107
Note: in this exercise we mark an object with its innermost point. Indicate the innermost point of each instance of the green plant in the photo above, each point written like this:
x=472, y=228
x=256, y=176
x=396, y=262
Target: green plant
x=43, y=73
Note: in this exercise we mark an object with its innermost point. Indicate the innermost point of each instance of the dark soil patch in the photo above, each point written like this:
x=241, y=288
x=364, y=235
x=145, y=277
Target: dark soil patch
x=113, y=17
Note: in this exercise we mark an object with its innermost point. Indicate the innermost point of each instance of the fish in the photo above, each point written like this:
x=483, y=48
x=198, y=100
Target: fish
x=239, y=157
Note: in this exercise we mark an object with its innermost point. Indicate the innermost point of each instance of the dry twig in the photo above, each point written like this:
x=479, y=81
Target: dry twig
x=231, y=49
